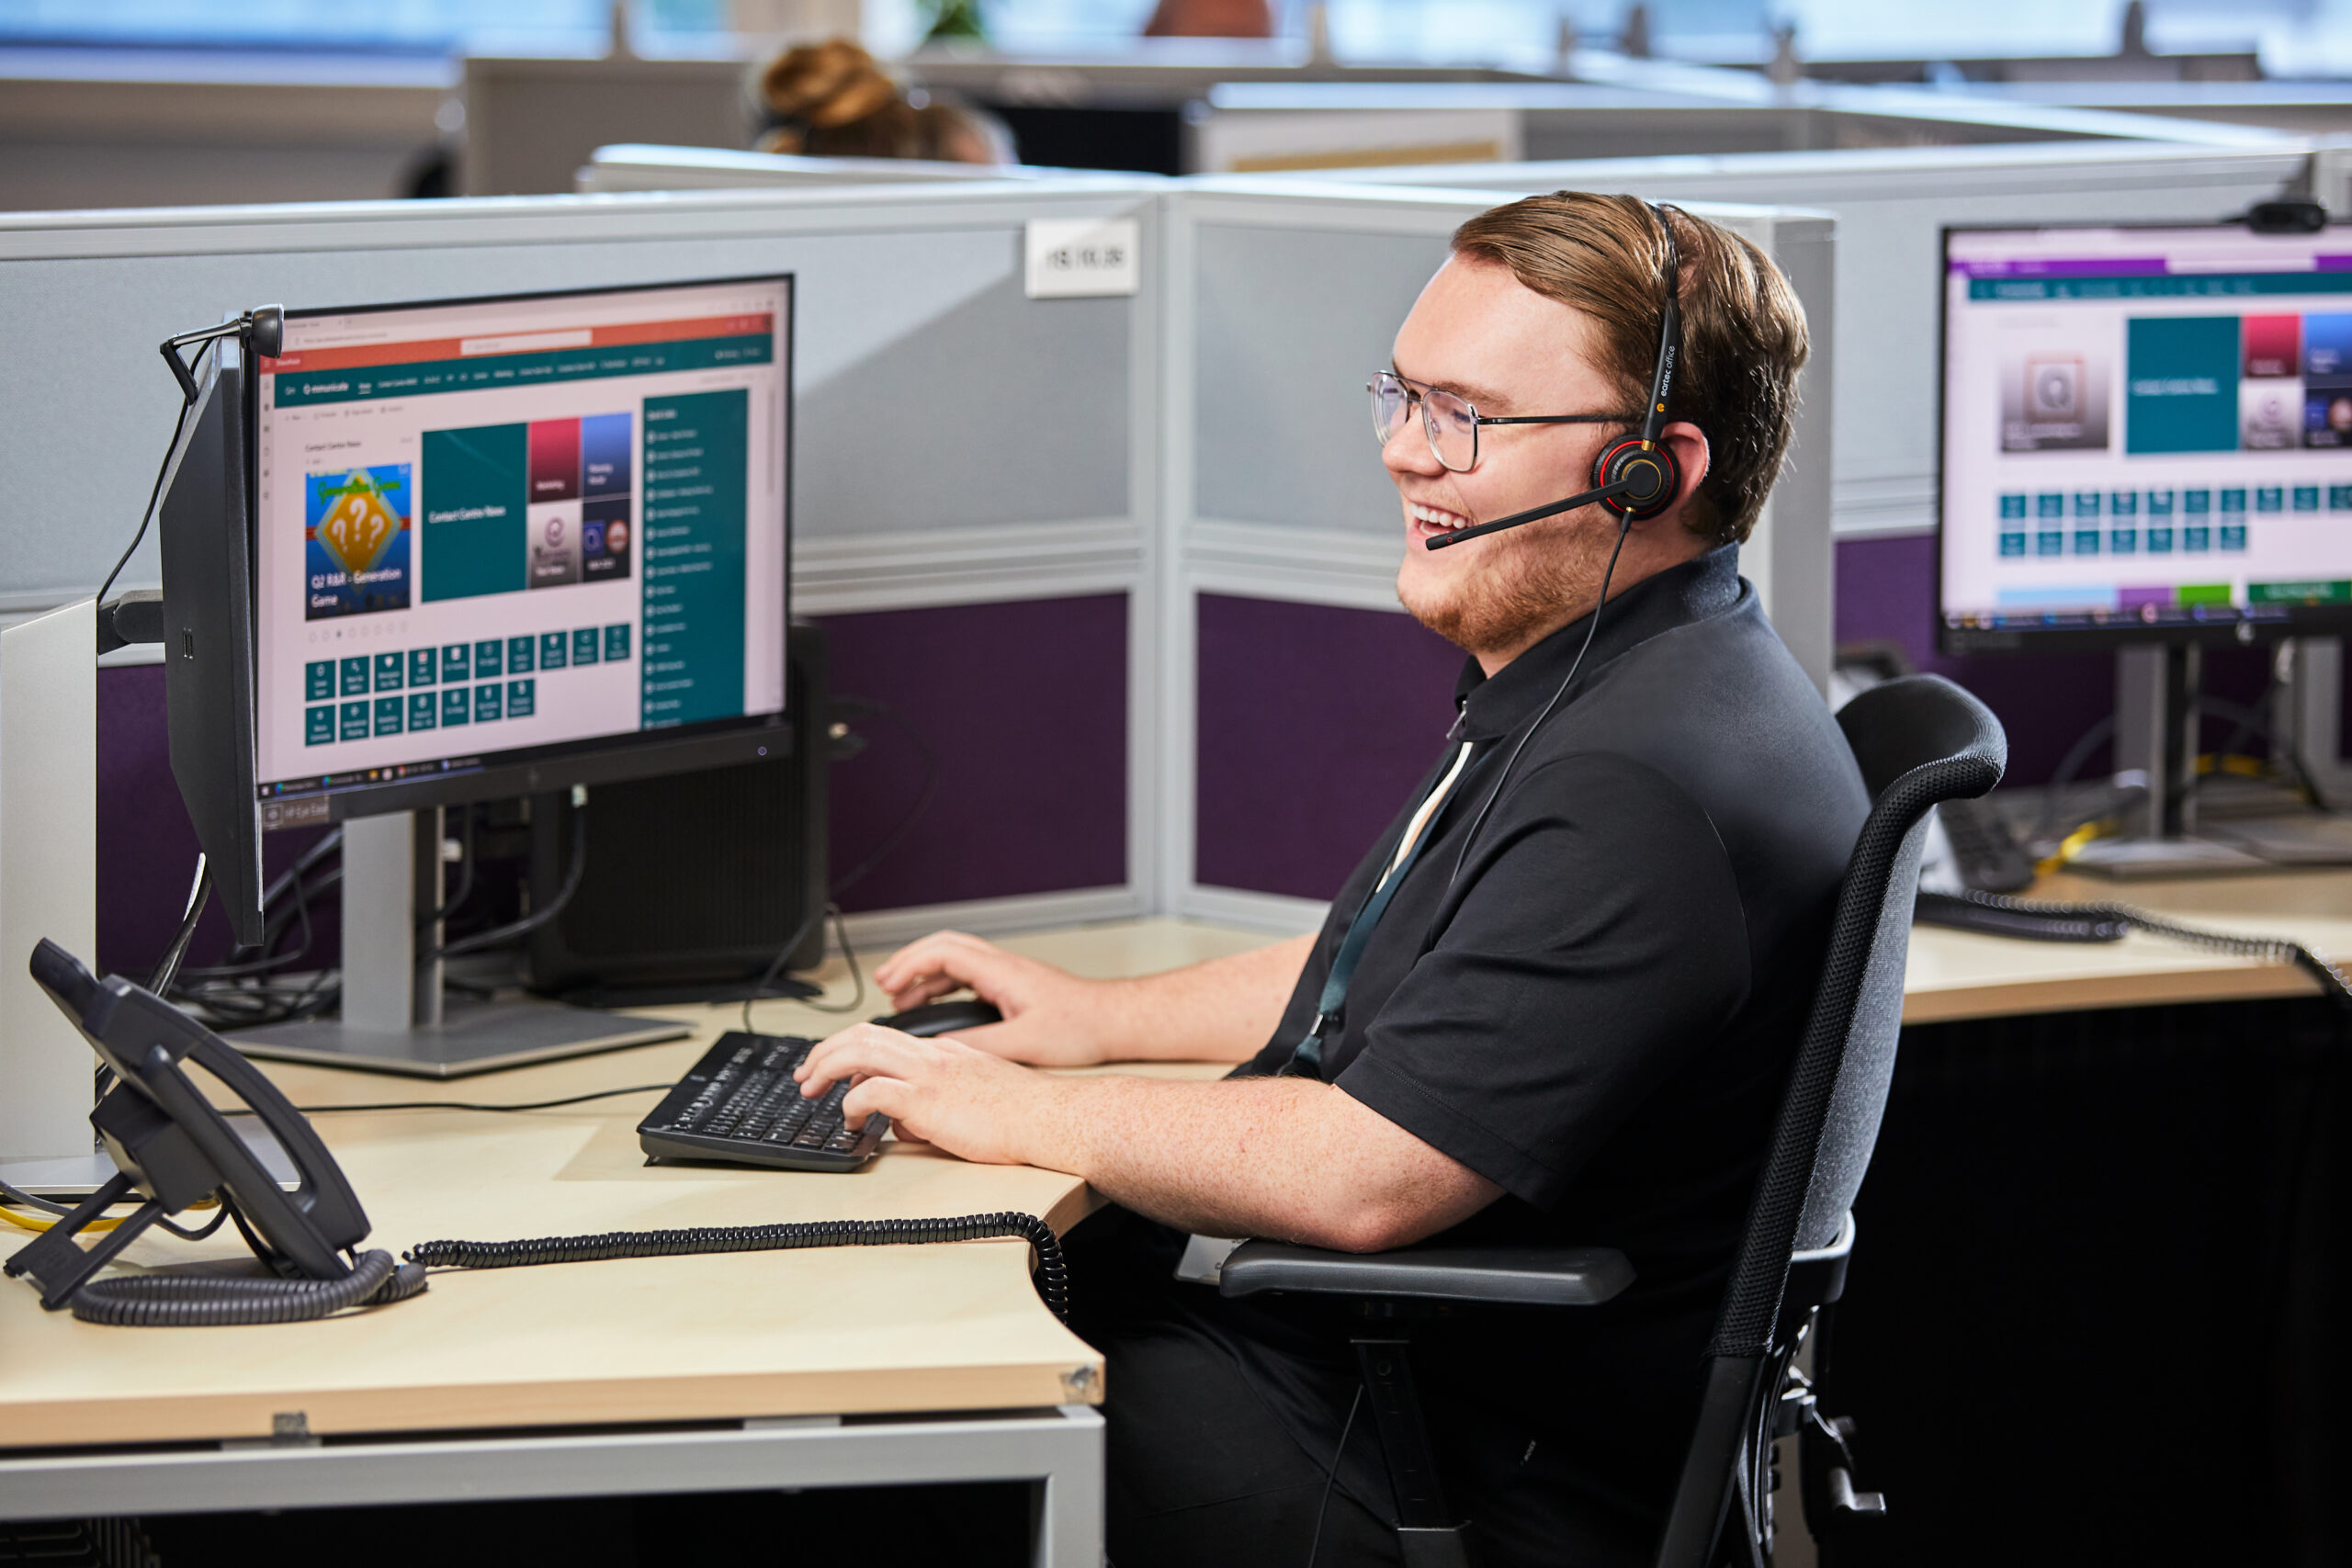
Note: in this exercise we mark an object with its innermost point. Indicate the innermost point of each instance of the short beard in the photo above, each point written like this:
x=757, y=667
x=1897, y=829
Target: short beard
x=1522, y=593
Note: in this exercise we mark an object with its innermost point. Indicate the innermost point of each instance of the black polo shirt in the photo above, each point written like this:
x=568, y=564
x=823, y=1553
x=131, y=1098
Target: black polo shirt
x=1594, y=1006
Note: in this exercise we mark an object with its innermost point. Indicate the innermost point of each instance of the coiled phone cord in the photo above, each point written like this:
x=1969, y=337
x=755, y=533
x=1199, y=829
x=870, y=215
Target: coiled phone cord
x=1052, y=1276
x=181, y=1300
x=2271, y=949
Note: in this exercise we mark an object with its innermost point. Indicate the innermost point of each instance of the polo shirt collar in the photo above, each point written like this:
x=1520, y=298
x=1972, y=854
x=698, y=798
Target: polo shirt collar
x=1494, y=705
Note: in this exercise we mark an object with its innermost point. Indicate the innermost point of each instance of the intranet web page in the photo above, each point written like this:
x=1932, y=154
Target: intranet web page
x=492, y=528
x=2149, y=427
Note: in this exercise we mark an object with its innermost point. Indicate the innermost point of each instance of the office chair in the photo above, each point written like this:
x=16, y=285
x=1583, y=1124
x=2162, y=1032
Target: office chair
x=1919, y=740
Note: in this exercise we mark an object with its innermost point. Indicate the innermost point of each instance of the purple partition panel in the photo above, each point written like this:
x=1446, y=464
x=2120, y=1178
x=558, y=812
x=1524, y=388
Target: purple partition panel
x=1314, y=723
x=1886, y=592
x=147, y=845
x=1025, y=706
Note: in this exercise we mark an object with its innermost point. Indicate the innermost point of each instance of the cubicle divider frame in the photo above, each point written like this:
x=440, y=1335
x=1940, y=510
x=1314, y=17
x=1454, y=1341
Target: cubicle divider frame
x=1892, y=205
x=1641, y=109
x=1309, y=518
x=87, y=296
x=96, y=289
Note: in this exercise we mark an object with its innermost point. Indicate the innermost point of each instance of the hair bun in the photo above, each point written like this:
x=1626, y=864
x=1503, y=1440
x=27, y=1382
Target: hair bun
x=825, y=84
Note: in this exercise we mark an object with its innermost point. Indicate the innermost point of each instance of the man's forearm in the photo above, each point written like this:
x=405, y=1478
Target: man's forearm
x=1222, y=1011
x=1287, y=1158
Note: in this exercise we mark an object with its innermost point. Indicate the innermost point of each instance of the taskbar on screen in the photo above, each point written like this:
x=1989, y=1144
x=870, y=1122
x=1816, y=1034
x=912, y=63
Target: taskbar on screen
x=360, y=778
x=301, y=802
x=2058, y=628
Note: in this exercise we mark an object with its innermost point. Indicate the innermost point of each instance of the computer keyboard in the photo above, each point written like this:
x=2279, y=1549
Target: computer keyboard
x=740, y=1103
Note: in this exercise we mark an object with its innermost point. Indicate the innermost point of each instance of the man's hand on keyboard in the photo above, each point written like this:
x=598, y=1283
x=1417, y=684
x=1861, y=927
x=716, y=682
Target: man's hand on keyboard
x=969, y=1101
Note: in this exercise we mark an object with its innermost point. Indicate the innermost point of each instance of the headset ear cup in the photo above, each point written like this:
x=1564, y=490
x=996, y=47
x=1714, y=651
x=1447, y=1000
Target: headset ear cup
x=1629, y=459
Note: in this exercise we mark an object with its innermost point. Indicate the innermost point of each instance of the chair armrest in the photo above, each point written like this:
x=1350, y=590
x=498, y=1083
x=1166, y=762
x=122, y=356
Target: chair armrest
x=1517, y=1276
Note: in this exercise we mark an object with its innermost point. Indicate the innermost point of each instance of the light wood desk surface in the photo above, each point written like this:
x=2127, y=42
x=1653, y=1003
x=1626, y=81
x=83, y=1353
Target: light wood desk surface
x=822, y=1331
x=840, y=1330
x=1960, y=975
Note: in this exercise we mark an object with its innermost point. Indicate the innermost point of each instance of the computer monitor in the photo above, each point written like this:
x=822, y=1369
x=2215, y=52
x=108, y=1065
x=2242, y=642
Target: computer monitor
x=207, y=620
x=504, y=546
x=432, y=554
x=2146, y=435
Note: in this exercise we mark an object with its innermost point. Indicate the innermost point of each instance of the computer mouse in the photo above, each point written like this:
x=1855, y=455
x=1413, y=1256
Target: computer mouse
x=942, y=1018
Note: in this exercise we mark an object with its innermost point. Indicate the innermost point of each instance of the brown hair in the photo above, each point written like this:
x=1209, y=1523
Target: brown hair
x=1742, y=330
x=830, y=100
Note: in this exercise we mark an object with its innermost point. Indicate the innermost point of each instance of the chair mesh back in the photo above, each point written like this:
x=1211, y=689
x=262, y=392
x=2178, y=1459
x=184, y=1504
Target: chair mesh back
x=1918, y=741
x=1866, y=1065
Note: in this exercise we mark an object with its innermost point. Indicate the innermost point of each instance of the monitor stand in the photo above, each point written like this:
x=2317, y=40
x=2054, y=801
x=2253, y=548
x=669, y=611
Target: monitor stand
x=2157, y=733
x=79, y=1176
x=396, y=1015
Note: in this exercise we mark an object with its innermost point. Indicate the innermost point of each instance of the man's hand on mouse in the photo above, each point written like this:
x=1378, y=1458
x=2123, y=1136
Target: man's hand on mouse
x=969, y=1101
x=1052, y=1018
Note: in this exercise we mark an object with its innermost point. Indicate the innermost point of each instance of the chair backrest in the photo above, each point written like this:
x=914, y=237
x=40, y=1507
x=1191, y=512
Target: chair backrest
x=1919, y=740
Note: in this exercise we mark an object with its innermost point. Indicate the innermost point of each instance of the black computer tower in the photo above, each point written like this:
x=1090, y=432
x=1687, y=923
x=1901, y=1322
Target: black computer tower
x=694, y=880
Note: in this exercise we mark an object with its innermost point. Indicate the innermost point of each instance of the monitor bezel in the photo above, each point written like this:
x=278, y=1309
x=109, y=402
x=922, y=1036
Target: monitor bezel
x=2300, y=620
x=714, y=743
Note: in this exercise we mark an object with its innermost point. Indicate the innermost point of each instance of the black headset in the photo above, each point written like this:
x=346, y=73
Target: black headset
x=1638, y=479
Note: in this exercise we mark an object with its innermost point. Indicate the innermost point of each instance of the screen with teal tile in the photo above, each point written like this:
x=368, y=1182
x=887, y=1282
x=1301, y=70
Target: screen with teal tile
x=2146, y=434
x=490, y=532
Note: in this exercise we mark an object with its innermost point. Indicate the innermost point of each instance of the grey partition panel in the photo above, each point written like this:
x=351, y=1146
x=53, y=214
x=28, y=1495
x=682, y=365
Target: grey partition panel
x=1293, y=295
x=1618, y=108
x=932, y=394
x=1279, y=517
x=531, y=123
x=1290, y=323
x=645, y=166
x=1890, y=208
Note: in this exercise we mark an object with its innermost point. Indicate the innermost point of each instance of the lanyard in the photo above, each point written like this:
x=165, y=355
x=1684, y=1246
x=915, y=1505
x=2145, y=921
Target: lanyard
x=1306, y=1056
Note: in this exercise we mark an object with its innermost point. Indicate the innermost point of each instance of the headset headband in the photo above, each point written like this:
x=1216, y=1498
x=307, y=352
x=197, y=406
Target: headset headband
x=1669, y=335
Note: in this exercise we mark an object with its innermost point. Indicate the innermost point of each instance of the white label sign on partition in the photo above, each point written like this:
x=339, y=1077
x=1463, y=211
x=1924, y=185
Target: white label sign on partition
x=1075, y=257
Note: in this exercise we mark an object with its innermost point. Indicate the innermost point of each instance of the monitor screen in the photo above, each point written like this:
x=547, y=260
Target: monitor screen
x=495, y=538
x=2147, y=432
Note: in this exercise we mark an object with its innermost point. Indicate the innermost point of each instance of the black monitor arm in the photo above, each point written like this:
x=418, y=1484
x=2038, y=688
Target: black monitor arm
x=131, y=619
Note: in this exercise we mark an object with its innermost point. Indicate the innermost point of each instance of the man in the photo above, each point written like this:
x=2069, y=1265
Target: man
x=1572, y=1019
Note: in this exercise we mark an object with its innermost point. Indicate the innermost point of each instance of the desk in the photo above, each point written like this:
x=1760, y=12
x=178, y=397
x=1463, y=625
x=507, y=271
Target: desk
x=2108, y=1173
x=830, y=1367
x=1961, y=974
x=825, y=1367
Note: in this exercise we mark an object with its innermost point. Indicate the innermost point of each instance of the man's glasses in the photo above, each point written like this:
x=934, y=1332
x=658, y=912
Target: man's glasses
x=1451, y=424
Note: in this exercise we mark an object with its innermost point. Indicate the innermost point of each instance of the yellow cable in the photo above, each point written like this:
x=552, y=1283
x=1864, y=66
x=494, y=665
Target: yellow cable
x=2072, y=845
x=38, y=1223
x=2207, y=762
x=2234, y=763
x=28, y=1222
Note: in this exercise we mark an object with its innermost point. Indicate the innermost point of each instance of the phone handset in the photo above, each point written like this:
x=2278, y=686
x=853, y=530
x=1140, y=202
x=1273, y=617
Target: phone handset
x=172, y=1147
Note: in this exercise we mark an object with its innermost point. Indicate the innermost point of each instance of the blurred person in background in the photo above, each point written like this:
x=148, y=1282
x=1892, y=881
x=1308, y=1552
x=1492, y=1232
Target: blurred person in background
x=830, y=100
x=1211, y=18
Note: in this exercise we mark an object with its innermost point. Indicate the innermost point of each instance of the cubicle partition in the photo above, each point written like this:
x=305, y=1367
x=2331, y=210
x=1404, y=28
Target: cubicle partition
x=1296, y=698
x=637, y=166
x=1124, y=563
x=1618, y=108
x=531, y=122
x=975, y=490
x=1891, y=207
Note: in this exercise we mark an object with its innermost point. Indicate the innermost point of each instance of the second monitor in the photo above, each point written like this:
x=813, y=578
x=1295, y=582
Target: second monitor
x=2147, y=435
